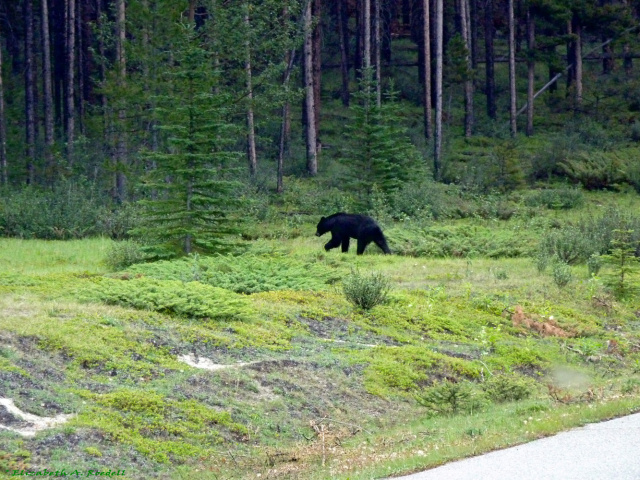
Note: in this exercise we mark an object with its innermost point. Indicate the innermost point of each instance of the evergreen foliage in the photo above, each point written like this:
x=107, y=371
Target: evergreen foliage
x=190, y=189
x=243, y=273
x=379, y=151
x=191, y=299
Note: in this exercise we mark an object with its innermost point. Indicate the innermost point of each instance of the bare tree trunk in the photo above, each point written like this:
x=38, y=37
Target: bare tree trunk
x=80, y=63
x=30, y=93
x=3, y=129
x=473, y=32
x=192, y=11
x=48, y=90
x=103, y=71
x=512, y=72
x=70, y=93
x=251, y=133
x=468, y=83
x=490, y=82
x=366, y=20
x=627, y=61
x=317, y=68
x=577, y=30
x=531, y=66
x=437, y=157
x=377, y=51
x=284, y=127
x=312, y=153
x=426, y=91
x=121, y=61
x=343, y=31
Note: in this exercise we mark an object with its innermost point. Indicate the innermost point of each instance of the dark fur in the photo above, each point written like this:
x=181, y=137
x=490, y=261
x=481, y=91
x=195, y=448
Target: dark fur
x=344, y=226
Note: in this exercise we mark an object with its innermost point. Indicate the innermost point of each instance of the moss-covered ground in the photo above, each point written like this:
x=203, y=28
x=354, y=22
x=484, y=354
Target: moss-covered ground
x=461, y=359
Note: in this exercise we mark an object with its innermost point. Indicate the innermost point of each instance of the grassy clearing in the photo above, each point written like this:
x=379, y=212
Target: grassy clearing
x=466, y=355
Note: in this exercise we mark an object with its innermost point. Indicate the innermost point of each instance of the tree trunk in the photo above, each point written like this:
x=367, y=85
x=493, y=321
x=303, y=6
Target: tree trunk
x=571, y=57
x=437, y=157
x=3, y=129
x=284, y=127
x=473, y=32
x=377, y=51
x=531, y=66
x=577, y=30
x=70, y=93
x=468, y=83
x=426, y=46
x=358, y=60
x=192, y=11
x=366, y=33
x=343, y=31
x=317, y=68
x=30, y=92
x=251, y=134
x=80, y=57
x=103, y=71
x=312, y=153
x=490, y=81
x=47, y=91
x=512, y=72
x=627, y=61
x=121, y=61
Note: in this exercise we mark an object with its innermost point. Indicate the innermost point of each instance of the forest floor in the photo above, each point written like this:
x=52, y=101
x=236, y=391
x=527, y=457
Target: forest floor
x=162, y=371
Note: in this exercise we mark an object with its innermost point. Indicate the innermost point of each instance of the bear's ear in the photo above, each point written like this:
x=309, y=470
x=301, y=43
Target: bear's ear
x=322, y=219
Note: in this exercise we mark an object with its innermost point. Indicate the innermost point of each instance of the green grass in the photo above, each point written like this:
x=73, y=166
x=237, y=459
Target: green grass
x=325, y=383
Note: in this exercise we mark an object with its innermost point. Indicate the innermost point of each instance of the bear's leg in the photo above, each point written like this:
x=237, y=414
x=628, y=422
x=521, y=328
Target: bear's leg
x=345, y=244
x=362, y=244
x=333, y=243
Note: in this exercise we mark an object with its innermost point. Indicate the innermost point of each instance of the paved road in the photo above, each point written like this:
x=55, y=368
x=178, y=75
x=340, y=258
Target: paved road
x=599, y=451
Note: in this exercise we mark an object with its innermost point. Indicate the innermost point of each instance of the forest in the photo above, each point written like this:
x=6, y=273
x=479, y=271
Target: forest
x=193, y=110
x=165, y=308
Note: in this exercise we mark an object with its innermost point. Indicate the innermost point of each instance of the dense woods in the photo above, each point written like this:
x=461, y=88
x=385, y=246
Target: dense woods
x=142, y=99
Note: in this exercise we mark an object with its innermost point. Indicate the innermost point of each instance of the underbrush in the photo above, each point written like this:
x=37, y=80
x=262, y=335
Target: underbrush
x=190, y=299
x=243, y=273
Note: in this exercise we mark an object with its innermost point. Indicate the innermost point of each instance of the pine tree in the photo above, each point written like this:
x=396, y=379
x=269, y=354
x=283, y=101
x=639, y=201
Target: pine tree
x=380, y=152
x=193, y=180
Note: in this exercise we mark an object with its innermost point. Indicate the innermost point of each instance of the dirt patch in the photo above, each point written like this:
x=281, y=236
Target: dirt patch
x=546, y=327
x=337, y=330
x=23, y=423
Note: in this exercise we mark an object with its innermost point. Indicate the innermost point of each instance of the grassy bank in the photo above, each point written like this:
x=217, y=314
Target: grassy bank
x=466, y=355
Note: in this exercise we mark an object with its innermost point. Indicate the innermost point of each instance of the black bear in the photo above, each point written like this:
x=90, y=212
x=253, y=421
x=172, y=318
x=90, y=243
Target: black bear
x=344, y=226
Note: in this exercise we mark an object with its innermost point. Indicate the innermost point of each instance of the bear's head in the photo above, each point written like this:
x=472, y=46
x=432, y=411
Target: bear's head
x=322, y=227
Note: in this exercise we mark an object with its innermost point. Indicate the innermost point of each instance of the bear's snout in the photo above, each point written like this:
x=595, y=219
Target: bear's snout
x=317, y=234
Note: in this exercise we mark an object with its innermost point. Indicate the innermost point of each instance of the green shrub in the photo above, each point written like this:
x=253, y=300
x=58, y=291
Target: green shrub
x=191, y=299
x=509, y=387
x=450, y=398
x=123, y=254
x=366, y=291
x=556, y=198
x=623, y=263
x=594, y=264
x=68, y=210
x=561, y=273
x=242, y=273
x=569, y=244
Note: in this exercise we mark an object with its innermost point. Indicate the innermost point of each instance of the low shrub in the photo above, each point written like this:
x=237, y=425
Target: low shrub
x=366, y=291
x=561, y=273
x=568, y=244
x=451, y=398
x=190, y=299
x=556, y=198
x=509, y=387
x=123, y=254
x=243, y=273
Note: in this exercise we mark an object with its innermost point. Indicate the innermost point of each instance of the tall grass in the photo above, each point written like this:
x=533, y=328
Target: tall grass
x=53, y=256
